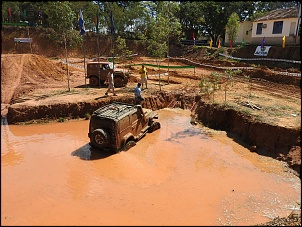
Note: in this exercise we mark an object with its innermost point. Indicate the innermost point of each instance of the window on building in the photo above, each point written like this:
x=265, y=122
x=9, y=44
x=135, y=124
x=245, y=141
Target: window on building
x=247, y=32
x=278, y=25
x=259, y=29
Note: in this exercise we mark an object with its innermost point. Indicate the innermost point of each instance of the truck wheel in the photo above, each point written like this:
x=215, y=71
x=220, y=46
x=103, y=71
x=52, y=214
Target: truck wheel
x=99, y=138
x=154, y=126
x=118, y=81
x=93, y=81
x=129, y=144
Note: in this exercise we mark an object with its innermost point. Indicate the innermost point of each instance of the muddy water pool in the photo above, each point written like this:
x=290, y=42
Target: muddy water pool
x=181, y=174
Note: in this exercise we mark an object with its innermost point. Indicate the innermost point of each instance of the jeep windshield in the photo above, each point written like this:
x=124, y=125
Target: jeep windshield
x=111, y=65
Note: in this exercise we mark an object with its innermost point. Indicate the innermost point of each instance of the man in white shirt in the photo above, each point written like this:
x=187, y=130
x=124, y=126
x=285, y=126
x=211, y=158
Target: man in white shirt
x=110, y=82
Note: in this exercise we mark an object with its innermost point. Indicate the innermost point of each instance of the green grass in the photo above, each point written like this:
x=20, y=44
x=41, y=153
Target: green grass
x=279, y=110
x=61, y=119
x=87, y=116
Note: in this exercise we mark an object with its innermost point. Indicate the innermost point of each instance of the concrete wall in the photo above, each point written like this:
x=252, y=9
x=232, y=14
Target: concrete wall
x=288, y=30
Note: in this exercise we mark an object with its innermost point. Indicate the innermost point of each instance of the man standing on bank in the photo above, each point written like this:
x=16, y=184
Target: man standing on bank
x=144, y=76
x=110, y=82
x=138, y=94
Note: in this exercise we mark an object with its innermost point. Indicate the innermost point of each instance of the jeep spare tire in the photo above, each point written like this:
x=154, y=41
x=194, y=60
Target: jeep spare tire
x=99, y=138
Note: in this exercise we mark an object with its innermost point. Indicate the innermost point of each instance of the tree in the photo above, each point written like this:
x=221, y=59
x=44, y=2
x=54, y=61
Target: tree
x=191, y=15
x=122, y=51
x=89, y=13
x=157, y=44
x=232, y=27
x=60, y=18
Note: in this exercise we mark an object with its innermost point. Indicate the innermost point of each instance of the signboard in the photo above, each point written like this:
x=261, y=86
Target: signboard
x=22, y=40
x=262, y=51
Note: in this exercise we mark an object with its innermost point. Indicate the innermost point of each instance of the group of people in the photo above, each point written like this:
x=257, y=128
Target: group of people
x=137, y=91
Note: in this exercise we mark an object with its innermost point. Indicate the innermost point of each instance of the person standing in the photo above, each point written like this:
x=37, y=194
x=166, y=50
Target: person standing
x=144, y=76
x=138, y=94
x=110, y=82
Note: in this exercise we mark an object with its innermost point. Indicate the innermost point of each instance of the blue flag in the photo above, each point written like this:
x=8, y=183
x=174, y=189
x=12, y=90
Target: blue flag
x=112, y=23
x=81, y=23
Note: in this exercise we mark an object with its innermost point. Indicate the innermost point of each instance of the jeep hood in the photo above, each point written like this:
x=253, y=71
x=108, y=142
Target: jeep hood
x=149, y=113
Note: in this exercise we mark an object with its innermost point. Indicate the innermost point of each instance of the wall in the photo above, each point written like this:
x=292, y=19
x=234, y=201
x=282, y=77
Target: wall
x=244, y=32
x=275, y=39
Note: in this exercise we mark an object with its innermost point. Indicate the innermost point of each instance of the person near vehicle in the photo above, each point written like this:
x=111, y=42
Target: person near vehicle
x=144, y=76
x=110, y=82
x=138, y=94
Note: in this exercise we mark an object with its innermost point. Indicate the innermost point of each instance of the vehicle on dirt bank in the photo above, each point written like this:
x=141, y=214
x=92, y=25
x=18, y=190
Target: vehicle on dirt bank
x=120, y=77
x=118, y=126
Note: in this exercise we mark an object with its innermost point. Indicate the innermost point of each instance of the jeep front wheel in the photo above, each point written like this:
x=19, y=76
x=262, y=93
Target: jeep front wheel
x=118, y=81
x=93, y=81
x=129, y=144
x=99, y=138
x=154, y=126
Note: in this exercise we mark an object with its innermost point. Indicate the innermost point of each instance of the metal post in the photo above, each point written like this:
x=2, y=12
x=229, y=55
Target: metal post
x=168, y=61
x=67, y=63
x=29, y=40
x=98, y=42
x=84, y=60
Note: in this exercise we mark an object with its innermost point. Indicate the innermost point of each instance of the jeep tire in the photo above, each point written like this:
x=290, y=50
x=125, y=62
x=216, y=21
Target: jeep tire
x=93, y=81
x=99, y=138
x=129, y=144
x=118, y=81
x=154, y=126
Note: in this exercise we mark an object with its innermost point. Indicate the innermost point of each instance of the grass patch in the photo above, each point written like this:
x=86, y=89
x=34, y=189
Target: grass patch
x=87, y=116
x=61, y=119
x=279, y=110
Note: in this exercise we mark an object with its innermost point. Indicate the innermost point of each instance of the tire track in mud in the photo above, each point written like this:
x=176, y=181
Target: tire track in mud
x=277, y=92
x=289, y=91
x=14, y=69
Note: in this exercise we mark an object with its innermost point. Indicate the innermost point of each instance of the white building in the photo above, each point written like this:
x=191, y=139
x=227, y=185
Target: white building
x=272, y=26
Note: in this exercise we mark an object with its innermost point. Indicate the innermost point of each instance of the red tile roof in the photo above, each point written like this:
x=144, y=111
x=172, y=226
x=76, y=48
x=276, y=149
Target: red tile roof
x=279, y=14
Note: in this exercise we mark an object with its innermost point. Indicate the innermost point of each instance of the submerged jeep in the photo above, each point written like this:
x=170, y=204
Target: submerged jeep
x=118, y=126
x=119, y=76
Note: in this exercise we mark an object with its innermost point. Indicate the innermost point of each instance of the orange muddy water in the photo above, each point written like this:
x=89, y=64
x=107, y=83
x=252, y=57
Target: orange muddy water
x=181, y=174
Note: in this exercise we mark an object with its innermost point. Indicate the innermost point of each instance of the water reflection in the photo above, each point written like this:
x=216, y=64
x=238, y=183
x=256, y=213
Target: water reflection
x=188, y=132
x=87, y=152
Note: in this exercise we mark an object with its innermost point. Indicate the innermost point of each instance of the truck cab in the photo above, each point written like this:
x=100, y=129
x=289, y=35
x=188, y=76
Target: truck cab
x=97, y=74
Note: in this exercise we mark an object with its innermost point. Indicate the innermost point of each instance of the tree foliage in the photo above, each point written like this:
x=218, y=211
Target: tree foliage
x=233, y=26
x=136, y=19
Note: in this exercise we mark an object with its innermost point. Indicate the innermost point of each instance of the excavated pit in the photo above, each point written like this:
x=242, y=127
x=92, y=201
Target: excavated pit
x=245, y=130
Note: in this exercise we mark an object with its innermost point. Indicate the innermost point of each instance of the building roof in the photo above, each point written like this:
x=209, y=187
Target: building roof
x=279, y=14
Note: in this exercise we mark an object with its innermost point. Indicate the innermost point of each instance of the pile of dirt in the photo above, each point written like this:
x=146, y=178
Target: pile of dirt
x=294, y=219
x=24, y=73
